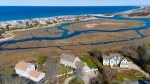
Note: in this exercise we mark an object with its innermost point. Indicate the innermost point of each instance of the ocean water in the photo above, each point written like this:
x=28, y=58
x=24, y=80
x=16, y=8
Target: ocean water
x=22, y=12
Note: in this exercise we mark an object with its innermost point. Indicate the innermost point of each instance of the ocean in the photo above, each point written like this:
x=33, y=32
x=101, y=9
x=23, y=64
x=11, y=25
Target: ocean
x=8, y=13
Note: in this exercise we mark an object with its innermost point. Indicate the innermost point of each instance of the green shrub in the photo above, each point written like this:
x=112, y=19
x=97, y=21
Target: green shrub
x=41, y=60
x=76, y=81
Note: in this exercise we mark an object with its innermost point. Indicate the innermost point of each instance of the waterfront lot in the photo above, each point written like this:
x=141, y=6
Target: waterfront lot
x=29, y=50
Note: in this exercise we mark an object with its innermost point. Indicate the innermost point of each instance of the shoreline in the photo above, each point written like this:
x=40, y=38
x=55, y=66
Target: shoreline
x=92, y=16
x=12, y=31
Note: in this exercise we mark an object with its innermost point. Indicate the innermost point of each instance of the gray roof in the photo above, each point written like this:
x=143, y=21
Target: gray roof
x=79, y=65
x=68, y=57
x=106, y=57
x=111, y=55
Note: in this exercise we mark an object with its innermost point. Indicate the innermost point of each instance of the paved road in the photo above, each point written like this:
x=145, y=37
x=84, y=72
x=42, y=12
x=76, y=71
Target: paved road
x=68, y=80
x=86, y=77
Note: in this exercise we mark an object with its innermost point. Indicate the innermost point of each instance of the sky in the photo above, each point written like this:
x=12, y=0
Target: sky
x=73, y=2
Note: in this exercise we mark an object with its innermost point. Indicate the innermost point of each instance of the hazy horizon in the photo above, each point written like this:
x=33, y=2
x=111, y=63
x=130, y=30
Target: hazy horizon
x=74, y=3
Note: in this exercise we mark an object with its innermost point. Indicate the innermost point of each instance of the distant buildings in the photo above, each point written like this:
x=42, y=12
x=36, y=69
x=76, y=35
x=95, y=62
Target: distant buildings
x=29, y=71
x=28, y=23
x=115, y=59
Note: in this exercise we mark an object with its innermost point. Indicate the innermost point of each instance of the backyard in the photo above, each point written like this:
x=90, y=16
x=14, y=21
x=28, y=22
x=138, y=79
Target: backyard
x=88, y=61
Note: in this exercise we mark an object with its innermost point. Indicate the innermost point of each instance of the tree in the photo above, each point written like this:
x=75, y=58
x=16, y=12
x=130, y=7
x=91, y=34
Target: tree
x=7, y=27
x=27, y=24
x=51, y=68
x=10, y=78
x=96, y=53
x=141, y=50
x=95, y=80
x=78, y=73
x=76, y=81
x=41, y=60
x=2, y=31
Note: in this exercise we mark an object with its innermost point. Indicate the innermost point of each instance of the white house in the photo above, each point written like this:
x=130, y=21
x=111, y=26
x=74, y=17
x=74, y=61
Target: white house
x=106, y=60
x=28, y=70
x=115, y=59
x=124, y=63
x=36, y=75
x=68, y=60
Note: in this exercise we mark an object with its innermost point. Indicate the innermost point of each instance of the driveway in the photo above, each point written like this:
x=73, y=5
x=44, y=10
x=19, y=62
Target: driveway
x=68, y=80
x=87, y=76
x=134, y=66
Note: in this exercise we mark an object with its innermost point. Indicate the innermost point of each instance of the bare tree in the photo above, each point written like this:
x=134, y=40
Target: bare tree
x=52, y=68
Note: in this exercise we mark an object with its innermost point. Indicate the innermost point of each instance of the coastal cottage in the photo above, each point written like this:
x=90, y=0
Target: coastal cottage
x=68, y=60
x=28, y=70
x=115, y=59
x=124, y=63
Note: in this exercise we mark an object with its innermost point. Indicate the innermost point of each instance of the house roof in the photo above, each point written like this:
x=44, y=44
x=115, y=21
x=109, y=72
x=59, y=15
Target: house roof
x=112, y=55
x=79, y=64
x=68, y=57
x=106, y=57
x=22, y=65
x=115, y=55
x=35, y=73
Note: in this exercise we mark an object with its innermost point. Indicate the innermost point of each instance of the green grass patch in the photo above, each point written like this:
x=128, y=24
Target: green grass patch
x=76, y=81
x=64, y=70
x=1, y=37
x=125, y=77
x=128, y=59
x=88, y=61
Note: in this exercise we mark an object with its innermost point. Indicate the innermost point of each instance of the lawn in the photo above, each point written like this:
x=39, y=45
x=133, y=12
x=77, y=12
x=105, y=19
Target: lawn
x=88, y=61
x=64, y=70
x=128, y=59
x=125, y=77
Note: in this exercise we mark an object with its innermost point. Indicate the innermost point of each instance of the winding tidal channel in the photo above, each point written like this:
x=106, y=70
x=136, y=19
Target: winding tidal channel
x=65, y=34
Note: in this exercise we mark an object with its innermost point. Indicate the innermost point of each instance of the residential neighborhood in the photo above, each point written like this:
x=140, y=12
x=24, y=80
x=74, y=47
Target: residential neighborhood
x=86, y=69
x=115, y=59
x=74, y=41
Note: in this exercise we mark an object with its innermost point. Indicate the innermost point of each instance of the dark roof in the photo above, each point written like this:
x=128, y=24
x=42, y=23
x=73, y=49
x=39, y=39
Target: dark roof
x=79, y=65
x=106, y=57
x=68, y=57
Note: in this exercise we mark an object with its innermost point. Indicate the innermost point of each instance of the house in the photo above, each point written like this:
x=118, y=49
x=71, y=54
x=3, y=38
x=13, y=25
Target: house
x=29, y=71
x=106, y=60
x=115, y=59
x=79, y=65
x=36, y=75
x=82, y=66
x=124, y=63
x=68, y=60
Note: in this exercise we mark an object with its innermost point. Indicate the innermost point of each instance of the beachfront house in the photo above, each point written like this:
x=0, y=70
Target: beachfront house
x=29, y=71
x=68, y=60
x=115, y=59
